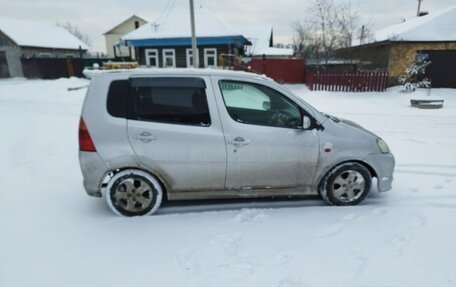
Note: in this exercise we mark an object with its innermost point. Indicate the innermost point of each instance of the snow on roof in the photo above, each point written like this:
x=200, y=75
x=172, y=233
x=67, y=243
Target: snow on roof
x=260, y=36
x=171, y=71
x=35, y=34
x=124, y=21
x=177, y=25
x=440, y=26
x=272, y=51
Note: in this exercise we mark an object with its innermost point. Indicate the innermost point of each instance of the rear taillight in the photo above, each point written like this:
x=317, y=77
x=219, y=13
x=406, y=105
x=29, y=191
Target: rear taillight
x=85, y=141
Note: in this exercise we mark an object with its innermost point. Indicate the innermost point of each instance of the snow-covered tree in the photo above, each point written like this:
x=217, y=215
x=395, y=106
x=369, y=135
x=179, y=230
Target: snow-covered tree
x=414, y=76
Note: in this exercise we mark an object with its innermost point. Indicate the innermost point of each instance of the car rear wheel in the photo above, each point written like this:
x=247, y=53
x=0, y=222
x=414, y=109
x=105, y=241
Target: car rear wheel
x=133, y=193
x=346, y=184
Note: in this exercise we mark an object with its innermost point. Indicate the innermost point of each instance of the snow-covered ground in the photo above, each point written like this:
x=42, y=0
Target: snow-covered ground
x=53, y=234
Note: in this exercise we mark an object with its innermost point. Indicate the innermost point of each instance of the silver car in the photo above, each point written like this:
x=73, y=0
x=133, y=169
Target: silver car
x=150, y=135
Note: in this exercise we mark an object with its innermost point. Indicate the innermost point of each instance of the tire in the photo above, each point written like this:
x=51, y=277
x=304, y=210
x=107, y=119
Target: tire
x=346, y=184
x=133, y=193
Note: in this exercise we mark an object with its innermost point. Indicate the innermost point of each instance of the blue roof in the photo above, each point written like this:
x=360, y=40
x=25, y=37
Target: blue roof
x=238, y=41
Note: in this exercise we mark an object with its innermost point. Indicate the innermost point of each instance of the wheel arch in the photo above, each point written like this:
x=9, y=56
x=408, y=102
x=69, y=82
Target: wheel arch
x=332, y=167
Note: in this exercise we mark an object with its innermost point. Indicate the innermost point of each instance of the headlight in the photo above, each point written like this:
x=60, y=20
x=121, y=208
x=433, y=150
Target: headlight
x=383, y=146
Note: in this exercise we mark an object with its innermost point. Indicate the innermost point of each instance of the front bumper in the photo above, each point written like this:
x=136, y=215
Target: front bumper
x=383, y=165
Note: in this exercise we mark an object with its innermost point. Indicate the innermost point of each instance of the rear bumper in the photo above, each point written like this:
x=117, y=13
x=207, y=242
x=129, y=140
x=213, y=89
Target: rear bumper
x=383, y=164
x=93, y=170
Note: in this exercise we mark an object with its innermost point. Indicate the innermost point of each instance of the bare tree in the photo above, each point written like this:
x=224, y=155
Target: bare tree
x=304, y=42
x=325, y=18
x=73, y=29
x=348, y=20
x=328, y=26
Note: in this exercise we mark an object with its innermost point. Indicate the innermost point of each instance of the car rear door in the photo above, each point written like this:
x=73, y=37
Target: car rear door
x=174, y=129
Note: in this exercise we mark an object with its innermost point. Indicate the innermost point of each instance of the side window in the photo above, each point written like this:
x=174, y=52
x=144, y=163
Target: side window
x=173, y=105
x=255, y=104
x=117, y=98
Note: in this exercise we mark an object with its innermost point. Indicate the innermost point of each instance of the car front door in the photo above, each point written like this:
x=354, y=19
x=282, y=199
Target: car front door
x=174, y=129
x=266, y=144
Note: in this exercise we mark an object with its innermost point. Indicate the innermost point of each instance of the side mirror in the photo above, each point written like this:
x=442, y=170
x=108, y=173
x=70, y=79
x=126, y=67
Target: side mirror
x=266, y=105
x=306, y=122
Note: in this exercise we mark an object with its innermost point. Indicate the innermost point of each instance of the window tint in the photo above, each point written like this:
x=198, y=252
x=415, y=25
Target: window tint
x=175, y=105
x=117, y=98
x=256, y=104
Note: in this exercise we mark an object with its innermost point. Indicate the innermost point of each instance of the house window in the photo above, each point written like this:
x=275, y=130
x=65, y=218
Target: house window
x=189, y=53
x=69, y=55
x=169, y=58
x=152, y=57
x=44, y=55
x=210, y=57
x=136, y=24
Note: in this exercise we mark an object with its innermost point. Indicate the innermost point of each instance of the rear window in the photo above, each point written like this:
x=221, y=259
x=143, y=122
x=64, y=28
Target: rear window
x=117, y=98
x=174, y=105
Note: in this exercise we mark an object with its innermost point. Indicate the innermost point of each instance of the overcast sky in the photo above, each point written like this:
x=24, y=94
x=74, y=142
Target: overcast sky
x=94, y=17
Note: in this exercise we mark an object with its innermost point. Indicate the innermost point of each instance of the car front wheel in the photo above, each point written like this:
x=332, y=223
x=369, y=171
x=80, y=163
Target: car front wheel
x=346, y=184
x=133, y=193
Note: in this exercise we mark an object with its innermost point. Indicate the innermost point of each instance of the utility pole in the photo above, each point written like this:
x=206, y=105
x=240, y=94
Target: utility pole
x=195, y=56
x=419, y=8
x=361, y=39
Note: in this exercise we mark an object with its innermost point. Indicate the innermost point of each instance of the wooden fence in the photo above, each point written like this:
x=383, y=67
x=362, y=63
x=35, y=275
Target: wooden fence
x=347, y=82
x=52, y=68
x=282, y=70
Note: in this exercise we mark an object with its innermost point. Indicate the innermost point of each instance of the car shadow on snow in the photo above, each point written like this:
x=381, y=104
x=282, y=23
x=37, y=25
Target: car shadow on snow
x=178, y=207
x=375, y=198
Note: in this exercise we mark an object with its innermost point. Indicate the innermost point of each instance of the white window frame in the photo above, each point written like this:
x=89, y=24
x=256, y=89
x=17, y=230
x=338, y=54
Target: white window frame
x=188, y=51
x=206, y=56
x=148, y=57
x=164, y=58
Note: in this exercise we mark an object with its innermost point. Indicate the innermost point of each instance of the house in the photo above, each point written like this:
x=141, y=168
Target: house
x=112, y=37
x=19, y=39
x=431, y=36
x=167, y=43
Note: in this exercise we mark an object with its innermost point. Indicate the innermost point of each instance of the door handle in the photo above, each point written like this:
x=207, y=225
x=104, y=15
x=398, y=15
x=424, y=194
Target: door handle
x=239, y=141
x=145, y=137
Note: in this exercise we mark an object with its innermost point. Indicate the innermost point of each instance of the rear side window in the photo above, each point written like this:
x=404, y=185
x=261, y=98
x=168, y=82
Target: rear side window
x=117, y=98
x=173, y=105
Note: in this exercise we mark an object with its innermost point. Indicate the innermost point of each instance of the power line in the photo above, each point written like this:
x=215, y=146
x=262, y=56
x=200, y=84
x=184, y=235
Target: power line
x=169, y=10
x=164, y=11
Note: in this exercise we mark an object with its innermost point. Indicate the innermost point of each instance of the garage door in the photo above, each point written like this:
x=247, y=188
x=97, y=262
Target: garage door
x=442, y=70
